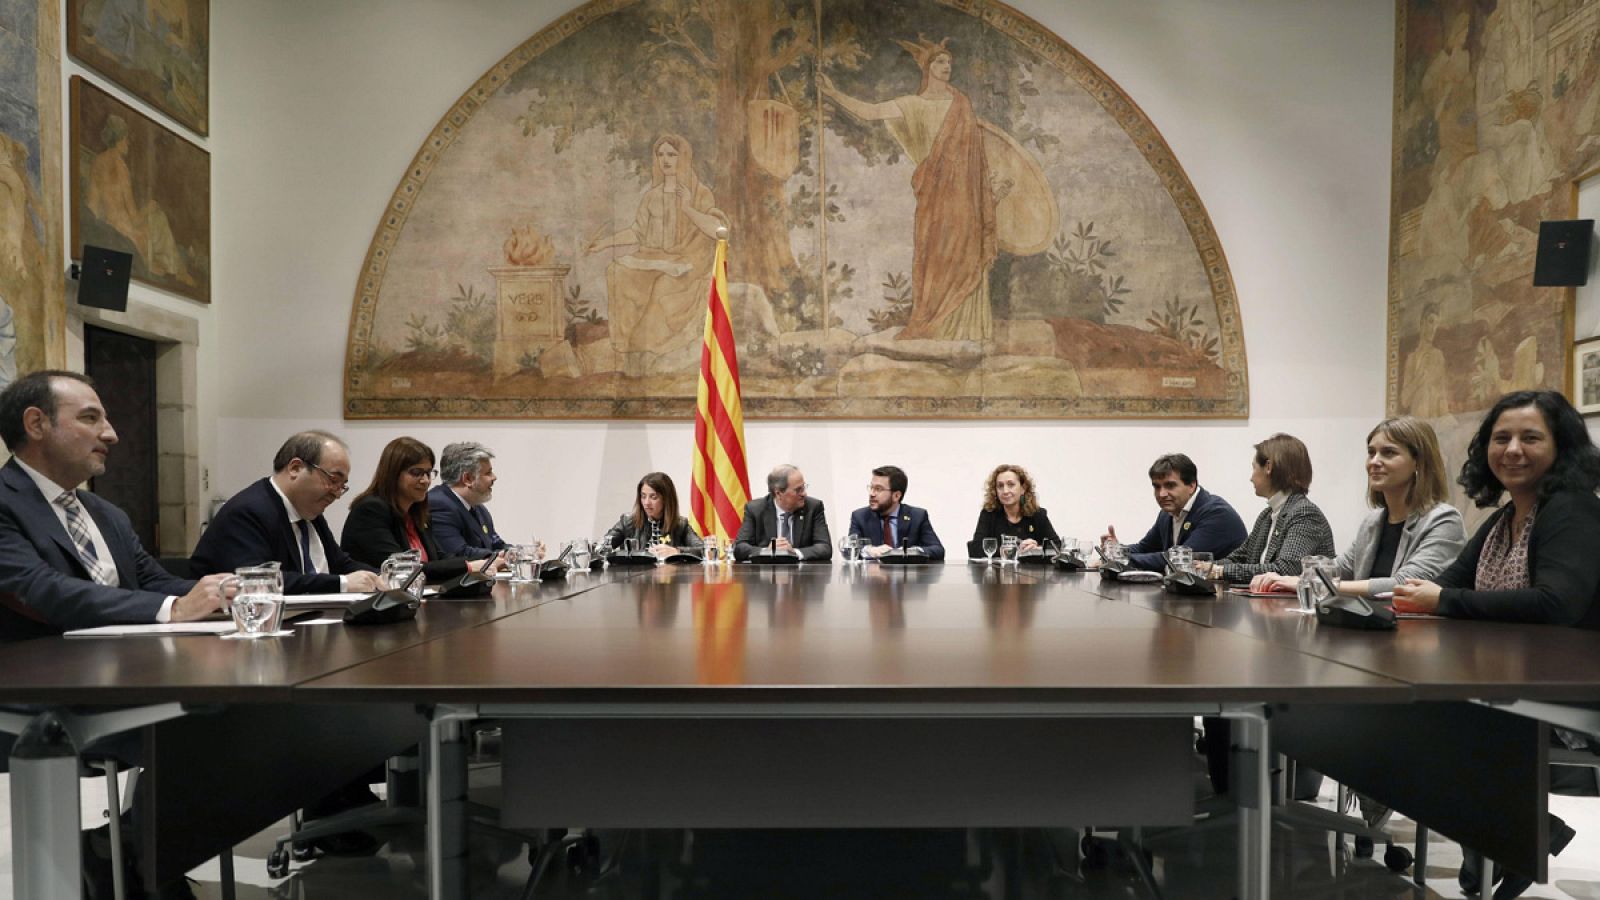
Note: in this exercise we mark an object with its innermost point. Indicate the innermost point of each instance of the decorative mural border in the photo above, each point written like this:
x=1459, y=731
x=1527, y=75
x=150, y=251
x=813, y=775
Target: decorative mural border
x=1045, y=44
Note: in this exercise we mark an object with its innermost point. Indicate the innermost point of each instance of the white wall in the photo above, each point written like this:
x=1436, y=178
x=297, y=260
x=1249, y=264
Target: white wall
x=1280, y=113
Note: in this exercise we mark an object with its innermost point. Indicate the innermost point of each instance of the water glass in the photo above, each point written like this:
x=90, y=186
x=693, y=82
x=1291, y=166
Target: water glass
x=711, y=552
x=398, y=569
x=257, y=609
x=1200, y=563
x=1111, y=549
x=630, y=546
x=848, y=546
x=990, y=545
x=524, y=559
x=582, y=554
x=1181, y=558
x=1316, y=574
x=1008, y=550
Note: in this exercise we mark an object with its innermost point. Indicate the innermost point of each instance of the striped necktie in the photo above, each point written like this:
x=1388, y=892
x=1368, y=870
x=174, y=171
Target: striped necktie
x=100, y=570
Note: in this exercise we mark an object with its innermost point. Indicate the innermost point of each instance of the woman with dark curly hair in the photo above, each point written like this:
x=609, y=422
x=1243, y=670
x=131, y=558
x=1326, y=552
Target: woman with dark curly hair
x=1534, y=560
x=1011, y=506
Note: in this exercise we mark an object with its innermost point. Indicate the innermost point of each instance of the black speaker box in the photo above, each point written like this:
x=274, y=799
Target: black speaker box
x=103, y=278
x=1563, y=258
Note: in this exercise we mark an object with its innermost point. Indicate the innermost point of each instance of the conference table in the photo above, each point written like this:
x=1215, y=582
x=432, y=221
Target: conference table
x=821, y=695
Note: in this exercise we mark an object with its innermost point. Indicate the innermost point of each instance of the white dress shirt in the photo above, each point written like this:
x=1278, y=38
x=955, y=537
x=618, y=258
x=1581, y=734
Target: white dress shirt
x=319, y=554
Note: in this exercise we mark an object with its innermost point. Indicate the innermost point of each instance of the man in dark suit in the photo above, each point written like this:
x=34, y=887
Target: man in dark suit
x=785, y=520
x=1190, y=516
x=887, y=524
x=460, y=523
x=69, y=559
x=279, y=518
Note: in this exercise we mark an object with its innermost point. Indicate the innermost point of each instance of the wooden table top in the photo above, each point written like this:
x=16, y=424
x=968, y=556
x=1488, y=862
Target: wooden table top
x=947, y=634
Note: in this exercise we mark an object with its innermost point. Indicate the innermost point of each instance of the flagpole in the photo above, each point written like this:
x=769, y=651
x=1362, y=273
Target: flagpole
x=822, y=184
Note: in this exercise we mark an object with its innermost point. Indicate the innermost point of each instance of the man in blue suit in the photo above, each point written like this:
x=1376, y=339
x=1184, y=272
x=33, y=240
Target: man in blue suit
x=279, y=518
x=888, y=524
x=69, y=559
x=460, y=523
x=1190, y=516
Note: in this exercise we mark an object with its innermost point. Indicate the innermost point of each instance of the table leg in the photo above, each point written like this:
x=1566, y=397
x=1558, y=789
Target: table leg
x=1253, y=792
x=46, y=856
x=447, y=805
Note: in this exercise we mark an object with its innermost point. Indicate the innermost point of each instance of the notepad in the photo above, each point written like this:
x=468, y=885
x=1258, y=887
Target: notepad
x=168, y=629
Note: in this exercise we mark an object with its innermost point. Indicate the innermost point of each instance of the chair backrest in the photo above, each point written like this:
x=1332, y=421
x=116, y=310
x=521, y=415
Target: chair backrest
x=178, y=566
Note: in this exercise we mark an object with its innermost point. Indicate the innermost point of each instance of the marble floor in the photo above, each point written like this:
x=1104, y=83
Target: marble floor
x=935, y=864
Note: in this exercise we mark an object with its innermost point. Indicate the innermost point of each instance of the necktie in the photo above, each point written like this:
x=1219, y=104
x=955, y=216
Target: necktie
x=888, y=533
x=305, y=547
x=100, y=570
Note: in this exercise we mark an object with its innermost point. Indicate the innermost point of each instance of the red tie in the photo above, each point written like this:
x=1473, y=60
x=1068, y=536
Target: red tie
x=888, y=534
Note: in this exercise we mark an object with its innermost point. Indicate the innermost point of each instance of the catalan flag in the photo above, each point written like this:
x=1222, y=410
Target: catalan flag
x=721, y=478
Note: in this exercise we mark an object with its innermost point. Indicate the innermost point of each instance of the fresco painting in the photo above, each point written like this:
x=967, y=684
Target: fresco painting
x=32, y=308
x=936, y=208
x=159, y=50
x=140, y=189
x=1497, y=113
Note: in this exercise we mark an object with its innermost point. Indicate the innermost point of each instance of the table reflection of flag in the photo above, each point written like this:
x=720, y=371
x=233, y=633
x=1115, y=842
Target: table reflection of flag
x=721, y=479
x=721, y=617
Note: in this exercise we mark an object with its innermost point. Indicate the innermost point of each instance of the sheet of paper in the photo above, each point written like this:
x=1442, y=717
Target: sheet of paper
x=323, y=621
x=169, y=629
x=320, y=601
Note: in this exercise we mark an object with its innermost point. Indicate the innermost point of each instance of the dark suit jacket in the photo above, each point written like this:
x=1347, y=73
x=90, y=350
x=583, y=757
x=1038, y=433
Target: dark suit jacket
x=1212, y=527
x=253, y=527
x=914, y=529
x=460, y=531
x=760, y=527
x=681, y=535
x=44, y=586
x=373, y=531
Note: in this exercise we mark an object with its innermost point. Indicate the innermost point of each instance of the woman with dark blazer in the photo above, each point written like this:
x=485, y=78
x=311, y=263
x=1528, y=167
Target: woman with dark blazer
x=391, y=515
x=1534, y=560
x=1011, y=507
x=1291, y=526
x=655, y=505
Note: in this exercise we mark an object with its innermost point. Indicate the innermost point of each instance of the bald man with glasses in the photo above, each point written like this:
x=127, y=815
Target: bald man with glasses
x=786, y=521
x=279, y=519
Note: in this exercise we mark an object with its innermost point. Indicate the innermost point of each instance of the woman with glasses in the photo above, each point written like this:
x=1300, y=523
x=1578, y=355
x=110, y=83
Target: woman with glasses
x=391, y=515
x=654, y=522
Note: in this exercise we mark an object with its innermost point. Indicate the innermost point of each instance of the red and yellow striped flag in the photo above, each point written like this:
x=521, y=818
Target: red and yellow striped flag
x=721, y=479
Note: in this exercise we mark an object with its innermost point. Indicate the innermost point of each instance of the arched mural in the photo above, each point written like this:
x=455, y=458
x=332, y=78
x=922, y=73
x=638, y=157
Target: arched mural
x=937, y=208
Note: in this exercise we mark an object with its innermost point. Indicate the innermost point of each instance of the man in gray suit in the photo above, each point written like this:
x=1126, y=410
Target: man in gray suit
x=784, y=521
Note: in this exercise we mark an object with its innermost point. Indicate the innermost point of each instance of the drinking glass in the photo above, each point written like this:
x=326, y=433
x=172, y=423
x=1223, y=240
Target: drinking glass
x=582, y=554
x=1200, y=563
x=258, y=607
x=398, y=569
x=1181, y=558
x=524, y=559
x=630, y=546
x=847, y=549
x=1008, y=550
x=711, y=553
x=990, y=545
x=1316, y=574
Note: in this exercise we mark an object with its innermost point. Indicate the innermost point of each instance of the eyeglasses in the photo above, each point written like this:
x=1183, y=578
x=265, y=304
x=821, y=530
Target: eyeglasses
x=423, y=473
x=339, y=483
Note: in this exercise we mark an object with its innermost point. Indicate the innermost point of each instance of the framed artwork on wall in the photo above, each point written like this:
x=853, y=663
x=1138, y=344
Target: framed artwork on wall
x=1586, y=376
x=32, y=310
x=159, y=50
x=139, y=188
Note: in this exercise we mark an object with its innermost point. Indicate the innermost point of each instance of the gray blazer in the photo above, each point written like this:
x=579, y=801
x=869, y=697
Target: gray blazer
x=1302, y=531
x=1430, y=540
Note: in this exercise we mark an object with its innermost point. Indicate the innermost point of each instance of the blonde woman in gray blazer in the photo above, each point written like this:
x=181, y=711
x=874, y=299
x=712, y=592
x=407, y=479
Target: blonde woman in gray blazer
x=1413, y=532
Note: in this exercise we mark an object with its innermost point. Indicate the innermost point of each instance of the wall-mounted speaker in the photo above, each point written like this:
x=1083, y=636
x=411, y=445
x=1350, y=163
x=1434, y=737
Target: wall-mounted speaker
x=103, y=278
x=1563, y=257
